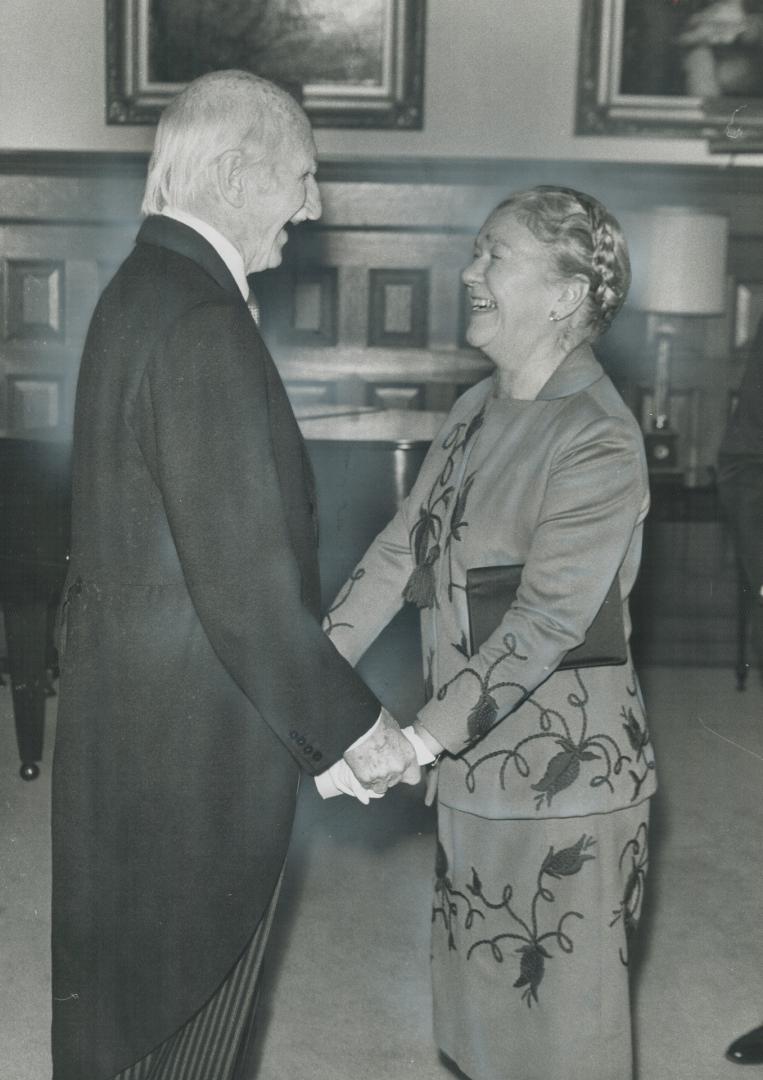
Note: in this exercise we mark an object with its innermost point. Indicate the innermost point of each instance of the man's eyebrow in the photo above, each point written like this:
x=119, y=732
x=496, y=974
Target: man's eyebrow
x=491, y=238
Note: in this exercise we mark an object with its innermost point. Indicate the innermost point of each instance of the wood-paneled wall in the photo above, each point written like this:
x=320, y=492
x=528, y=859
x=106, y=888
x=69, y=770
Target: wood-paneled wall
x=368, y=306
x=368, y=309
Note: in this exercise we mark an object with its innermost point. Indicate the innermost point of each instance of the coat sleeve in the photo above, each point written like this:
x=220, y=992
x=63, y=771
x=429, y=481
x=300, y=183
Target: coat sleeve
x=596, y=493
x=203, y=422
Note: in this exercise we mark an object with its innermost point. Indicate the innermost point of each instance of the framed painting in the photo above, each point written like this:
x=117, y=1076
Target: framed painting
x=686, y=68
x=356, y=64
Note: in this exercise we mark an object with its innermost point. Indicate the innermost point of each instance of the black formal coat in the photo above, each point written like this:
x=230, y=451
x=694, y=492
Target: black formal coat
x=196, y=679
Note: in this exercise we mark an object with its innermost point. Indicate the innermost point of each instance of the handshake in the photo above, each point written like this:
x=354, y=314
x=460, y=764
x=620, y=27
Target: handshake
x=380, y=759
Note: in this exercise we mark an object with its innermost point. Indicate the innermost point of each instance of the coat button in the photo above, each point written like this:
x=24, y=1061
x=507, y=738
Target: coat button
x=292, y=734
x=308, y=749
x=301, y=740
x=317, y=755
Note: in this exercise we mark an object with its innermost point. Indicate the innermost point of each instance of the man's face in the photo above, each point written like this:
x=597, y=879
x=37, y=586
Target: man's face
x=291, y=196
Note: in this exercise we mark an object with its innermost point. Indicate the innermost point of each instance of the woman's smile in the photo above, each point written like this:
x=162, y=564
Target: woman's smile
x=481, y=304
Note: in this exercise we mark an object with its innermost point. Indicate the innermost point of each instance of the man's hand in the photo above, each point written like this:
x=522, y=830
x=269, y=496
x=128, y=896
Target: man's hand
x=384, y=757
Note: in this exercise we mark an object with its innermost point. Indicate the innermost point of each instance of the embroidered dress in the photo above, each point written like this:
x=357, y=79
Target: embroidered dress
x=557, y=485
x=531, y=926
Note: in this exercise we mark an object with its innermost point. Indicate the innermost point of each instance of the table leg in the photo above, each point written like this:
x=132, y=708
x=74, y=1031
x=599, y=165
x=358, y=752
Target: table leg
x=25, y=631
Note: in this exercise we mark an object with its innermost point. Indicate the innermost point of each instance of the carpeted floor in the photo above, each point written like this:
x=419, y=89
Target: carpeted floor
x=347, y=993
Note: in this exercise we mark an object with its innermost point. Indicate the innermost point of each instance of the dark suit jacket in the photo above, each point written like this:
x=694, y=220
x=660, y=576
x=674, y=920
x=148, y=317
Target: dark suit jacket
x=740, y=467
x=196, y=680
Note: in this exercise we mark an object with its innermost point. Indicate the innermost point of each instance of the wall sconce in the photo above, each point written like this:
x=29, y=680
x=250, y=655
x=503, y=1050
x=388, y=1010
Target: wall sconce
x=681, y=273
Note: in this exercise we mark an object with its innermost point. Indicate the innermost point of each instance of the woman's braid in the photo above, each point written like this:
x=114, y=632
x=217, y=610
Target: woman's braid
x=606, y=294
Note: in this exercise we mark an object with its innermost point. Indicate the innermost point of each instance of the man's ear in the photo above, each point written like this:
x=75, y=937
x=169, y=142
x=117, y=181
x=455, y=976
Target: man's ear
x=573, y=294
x=230, y=177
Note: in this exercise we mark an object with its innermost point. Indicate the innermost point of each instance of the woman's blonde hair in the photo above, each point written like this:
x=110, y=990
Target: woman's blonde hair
x=583, y=238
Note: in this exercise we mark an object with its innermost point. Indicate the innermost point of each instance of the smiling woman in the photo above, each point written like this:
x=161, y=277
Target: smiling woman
x=511, y=288
x=547, y=255
x=525, y=523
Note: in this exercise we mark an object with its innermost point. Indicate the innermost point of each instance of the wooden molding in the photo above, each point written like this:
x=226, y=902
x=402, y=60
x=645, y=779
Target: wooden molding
x=72, y=163
x=686, y=180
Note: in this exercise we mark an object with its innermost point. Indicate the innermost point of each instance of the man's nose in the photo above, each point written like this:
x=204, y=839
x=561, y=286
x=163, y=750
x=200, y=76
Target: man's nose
x=313, y=205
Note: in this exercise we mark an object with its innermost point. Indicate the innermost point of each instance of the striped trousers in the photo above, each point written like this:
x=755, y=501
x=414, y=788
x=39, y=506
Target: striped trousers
x=213, y=1044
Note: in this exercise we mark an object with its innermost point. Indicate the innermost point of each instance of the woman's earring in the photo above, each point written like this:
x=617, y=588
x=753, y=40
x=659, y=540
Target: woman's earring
x=554, y=317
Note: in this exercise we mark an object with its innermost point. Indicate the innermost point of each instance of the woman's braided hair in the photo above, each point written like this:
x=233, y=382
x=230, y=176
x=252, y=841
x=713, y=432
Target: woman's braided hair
x=584, y=238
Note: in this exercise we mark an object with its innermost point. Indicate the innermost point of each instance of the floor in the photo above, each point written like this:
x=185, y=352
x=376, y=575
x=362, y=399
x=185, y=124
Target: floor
x=347, y=992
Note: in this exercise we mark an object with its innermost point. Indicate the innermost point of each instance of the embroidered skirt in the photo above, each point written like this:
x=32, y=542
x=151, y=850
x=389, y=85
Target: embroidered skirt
x=531, y=926
x=216, y=1042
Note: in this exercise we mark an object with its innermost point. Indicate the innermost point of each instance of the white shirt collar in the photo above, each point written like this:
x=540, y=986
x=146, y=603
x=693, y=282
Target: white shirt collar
x=230, y=254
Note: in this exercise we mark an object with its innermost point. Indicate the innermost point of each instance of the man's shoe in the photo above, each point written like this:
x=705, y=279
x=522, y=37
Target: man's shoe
x=747, y=1049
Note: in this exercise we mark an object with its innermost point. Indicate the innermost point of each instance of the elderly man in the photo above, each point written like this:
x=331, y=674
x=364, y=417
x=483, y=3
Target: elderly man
x=196, y=681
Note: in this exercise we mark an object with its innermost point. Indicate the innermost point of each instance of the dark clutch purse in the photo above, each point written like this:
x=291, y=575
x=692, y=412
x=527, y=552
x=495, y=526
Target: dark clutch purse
x=490, y=591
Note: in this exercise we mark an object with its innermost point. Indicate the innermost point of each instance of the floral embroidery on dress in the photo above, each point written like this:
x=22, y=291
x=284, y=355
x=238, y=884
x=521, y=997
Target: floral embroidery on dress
x=629, y=911
x=328, y=622
x=449, y=897
x=457, y=523
x=573, y=748
x=534, y=945
x=426, y=536
x=638, y=737
x=484, y=713
x=429, y=677
x=462, y=646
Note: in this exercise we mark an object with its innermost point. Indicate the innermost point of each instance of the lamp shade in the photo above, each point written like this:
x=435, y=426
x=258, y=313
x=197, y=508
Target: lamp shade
x=680, y=262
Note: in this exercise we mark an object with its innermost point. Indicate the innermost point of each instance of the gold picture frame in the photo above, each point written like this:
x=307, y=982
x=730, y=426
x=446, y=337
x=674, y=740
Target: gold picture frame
x=350, y=65
x=659, y=68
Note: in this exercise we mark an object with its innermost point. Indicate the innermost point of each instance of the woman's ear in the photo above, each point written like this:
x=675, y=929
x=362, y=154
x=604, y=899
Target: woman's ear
x=573, y=294
x=230, y=177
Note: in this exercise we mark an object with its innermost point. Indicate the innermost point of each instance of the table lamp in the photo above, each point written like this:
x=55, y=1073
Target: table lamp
x=681, y=274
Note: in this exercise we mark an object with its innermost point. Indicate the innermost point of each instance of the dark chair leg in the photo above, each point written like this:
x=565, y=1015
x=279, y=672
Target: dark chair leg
x=25, y=631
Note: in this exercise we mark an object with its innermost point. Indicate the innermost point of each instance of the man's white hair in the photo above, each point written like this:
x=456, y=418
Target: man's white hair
x=224, y=110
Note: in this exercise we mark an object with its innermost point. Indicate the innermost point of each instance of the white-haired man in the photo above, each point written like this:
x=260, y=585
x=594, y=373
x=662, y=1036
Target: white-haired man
x=196, y=681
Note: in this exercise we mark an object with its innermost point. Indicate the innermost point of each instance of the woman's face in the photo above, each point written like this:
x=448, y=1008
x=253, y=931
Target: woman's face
x=511, y=288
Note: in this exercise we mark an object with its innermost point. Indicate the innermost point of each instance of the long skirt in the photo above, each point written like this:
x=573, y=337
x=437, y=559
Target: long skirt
x=216, y=1042
x=532, y=922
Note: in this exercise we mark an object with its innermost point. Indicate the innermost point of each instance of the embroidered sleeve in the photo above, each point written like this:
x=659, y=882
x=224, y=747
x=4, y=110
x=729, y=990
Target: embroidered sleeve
x=372, y=594
x=394, y=569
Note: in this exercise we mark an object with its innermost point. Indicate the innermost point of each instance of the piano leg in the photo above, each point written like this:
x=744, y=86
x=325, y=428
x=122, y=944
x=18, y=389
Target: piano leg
x=25, y=631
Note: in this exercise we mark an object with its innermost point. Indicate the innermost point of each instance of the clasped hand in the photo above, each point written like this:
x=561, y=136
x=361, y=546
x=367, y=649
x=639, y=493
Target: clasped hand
x=384, y=757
